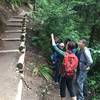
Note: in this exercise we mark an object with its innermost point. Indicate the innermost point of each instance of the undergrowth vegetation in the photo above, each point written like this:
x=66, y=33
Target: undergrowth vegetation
x=43, y=70
x=72, y=19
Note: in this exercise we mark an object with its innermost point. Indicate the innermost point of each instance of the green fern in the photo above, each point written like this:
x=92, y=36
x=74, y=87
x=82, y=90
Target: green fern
x=45, y=72
x=15, y=3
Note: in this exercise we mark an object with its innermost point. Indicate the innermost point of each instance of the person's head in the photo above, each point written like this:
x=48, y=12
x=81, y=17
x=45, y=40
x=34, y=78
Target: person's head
x=75, y=45
x=57, y=40
x=67, y=40
x=82, y=43
x=61, y=45
x=70, y=45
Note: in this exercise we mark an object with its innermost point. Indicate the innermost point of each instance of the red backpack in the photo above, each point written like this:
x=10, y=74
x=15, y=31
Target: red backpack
x=70, y=64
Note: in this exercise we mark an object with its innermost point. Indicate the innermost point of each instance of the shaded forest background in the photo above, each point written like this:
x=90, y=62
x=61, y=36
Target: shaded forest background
x=73, y=19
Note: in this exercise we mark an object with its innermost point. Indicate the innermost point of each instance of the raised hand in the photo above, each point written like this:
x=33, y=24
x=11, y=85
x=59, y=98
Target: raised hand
x=52, y=37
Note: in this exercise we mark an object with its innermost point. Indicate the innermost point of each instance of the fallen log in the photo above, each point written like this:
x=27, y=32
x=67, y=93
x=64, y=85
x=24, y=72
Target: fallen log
x=22, y=46
x=23, y=37
x=20, y=64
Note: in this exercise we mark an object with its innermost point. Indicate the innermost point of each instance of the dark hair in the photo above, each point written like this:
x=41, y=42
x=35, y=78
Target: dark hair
x=67, y=40
x=76, y=45
x=84, y=41
x=71, y=45
x=58, y=40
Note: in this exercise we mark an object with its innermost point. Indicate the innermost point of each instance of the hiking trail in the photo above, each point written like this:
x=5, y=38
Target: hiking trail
x=10, y=42
x=12, y=86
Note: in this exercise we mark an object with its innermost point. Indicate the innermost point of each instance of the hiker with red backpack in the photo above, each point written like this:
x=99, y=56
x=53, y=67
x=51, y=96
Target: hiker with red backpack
x=70, y=63
x=85, y=62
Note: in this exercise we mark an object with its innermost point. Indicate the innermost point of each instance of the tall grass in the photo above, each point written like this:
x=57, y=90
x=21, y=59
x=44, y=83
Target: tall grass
x=15, y=3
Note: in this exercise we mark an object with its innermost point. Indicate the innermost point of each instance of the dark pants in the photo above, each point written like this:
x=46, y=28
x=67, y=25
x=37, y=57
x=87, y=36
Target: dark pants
x=80, y=82
x=57, y=74
x=67, y=82
x=85, y=86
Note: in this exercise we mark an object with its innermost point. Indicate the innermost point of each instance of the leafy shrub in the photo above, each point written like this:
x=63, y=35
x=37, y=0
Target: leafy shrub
x=66, y=19
x=93, y=84
x=16, y=3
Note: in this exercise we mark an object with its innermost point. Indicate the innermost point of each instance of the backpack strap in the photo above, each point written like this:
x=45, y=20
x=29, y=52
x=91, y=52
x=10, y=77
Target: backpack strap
x=87, y=58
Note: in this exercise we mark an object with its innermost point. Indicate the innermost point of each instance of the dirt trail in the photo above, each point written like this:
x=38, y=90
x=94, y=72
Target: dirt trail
x=8, y=61
x=8, y=78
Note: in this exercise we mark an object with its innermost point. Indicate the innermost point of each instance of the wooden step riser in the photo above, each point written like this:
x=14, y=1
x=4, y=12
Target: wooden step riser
x=15, y=28
x=9, y=51
x=15, y=31
x=9, y=45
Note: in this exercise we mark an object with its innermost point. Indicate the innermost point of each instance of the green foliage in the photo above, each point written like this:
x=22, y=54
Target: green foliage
x=16, y=3
x=13, y=3
x=73, y=19
x=67, y=19
x=45, y=72
x=96, y=97
x=95, y=54
x=94, y=87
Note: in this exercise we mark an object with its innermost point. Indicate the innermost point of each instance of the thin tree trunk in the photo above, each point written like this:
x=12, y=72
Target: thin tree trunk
x=91, y=40
x=34, y=2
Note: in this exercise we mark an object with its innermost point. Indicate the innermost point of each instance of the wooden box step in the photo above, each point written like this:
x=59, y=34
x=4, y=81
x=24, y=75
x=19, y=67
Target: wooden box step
x=15, y=28
x=15, y=20
x=11, y=35
x=19, y=17
x=10, y=39
x=9, y=51
x=9, y=45
x=14, y=24
x=13, y=31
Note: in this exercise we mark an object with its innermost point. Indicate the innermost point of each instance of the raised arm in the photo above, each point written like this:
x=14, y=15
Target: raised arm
x=55, y=46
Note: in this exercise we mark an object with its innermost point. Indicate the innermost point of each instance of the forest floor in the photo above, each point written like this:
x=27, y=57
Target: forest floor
x=37, y=84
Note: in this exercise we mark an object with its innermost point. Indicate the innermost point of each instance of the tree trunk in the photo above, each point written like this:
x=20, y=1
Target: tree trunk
x=91, y=40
